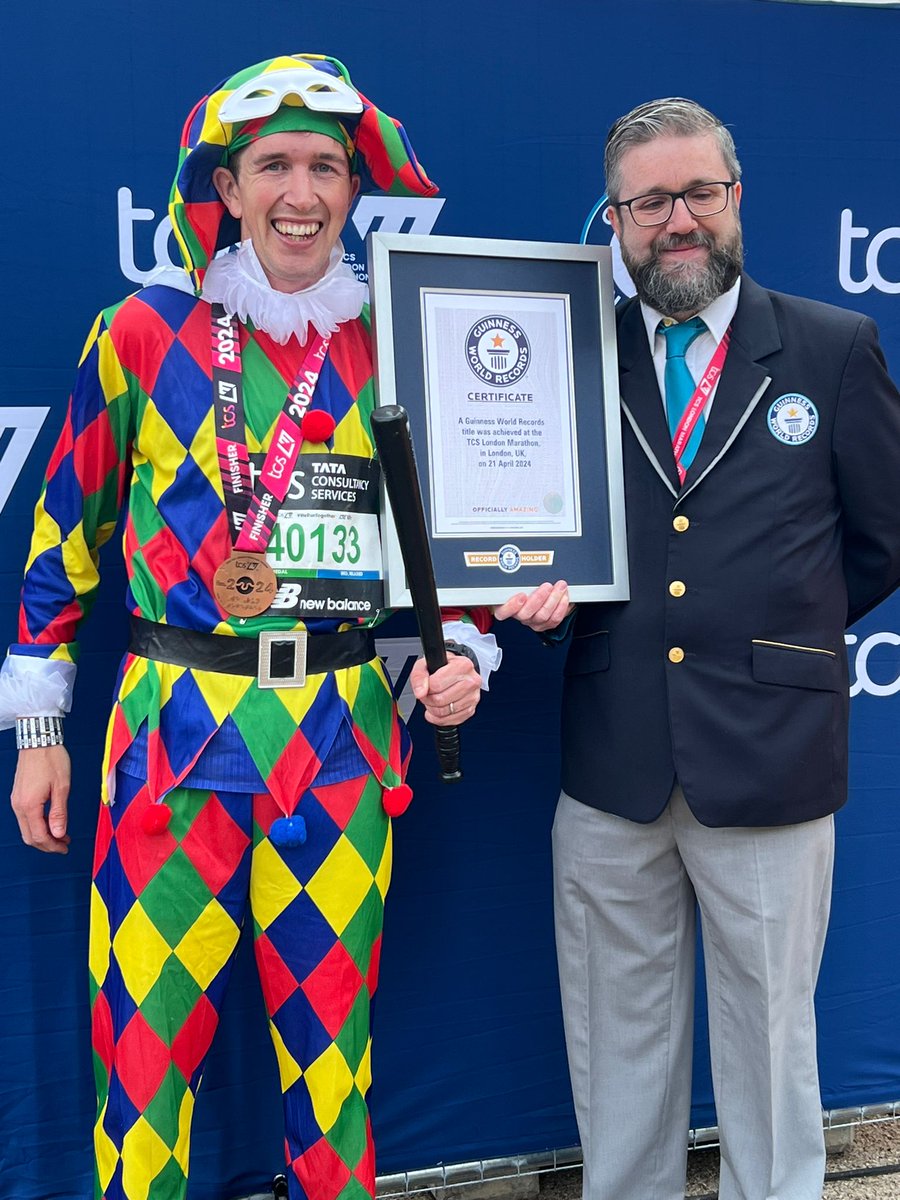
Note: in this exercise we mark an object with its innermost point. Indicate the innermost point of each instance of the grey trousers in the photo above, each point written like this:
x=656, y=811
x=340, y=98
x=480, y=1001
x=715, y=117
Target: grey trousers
x=625, y=913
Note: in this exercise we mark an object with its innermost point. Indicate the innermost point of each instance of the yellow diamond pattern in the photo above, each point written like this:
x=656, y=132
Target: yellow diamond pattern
x=340, y=885
x=80, y=564
x=330, y=1082
x=204, y=453
x=206, y=946
x=298, y=701
x=98, y=952
x=167, y=675
x=168, y=452
x=288, y=1068
x=363, y=1077
x=183, y=1144
x=106, y=1154
x=222, y=693
x=47, y=534
x=144, y=1154
x=272, y=886
x=383, y=874
x=141, y=950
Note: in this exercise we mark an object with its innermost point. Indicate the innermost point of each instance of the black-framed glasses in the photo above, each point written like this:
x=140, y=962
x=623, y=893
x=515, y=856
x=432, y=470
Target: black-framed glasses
x=701, y=200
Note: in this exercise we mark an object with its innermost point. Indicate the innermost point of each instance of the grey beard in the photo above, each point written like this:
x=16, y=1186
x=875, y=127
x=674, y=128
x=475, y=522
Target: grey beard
x=687, y=289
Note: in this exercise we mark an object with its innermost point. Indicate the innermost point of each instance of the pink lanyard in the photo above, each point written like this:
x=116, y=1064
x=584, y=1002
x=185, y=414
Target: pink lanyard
x=252, y=517
x=702, y=393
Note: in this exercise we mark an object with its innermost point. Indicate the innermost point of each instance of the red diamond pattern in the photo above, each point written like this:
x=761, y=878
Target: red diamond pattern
x=374, y=966
x=321, y=1172
x=214, y=844
x=340, y=799
x=102, y=1036
x=103, y=839
x=141, y=855
x=332, y=988
x=278, y=982
x=365, y=1168
x=142, y=1059
x=193, y=1039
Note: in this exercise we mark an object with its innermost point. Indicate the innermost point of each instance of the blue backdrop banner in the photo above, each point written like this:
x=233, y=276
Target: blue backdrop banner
x=508, y=107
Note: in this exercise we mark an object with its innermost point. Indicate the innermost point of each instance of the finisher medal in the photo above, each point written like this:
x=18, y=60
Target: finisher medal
x=244, y=585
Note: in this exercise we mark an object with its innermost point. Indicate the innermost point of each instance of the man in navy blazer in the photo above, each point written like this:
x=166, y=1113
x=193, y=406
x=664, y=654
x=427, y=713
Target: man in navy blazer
x=705, y=720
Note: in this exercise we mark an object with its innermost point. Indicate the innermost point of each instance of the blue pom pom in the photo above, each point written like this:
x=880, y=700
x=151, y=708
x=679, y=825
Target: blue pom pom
x=287, y=832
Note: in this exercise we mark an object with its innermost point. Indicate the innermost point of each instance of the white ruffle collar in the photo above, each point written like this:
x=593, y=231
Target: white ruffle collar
x=237, y=281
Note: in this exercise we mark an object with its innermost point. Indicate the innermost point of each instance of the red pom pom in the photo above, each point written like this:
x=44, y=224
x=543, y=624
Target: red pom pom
x=396, y=800
x=317, y=425
x=156, y=818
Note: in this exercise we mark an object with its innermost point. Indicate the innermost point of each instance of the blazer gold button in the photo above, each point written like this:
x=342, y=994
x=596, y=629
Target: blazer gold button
x=676, y=654
x=680, y=524
x=677, y=588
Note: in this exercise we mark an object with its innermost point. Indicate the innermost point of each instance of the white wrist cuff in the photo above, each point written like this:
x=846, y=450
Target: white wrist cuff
x=484, y=645
x=34, y=687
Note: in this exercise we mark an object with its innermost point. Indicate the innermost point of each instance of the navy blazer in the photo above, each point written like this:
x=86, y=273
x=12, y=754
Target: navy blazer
x=727, y=669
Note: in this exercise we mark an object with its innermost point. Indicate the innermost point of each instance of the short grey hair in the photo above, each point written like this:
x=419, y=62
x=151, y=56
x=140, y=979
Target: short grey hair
x=674, y=117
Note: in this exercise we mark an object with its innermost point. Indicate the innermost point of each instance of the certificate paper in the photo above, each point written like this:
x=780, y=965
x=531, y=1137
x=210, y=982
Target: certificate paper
x=501, y=413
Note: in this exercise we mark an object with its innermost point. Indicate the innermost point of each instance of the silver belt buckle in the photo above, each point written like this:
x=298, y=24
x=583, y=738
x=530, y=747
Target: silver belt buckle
x=282, y=659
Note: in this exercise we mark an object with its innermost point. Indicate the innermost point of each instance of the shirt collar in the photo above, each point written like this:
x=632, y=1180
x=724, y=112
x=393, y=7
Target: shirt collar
x=717, y=316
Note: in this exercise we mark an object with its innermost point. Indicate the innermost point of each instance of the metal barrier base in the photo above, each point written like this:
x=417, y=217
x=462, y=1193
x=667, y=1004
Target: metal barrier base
x=503, y=1172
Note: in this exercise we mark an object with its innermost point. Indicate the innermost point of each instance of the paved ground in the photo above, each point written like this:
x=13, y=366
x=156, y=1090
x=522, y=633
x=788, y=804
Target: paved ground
x=874, y=1146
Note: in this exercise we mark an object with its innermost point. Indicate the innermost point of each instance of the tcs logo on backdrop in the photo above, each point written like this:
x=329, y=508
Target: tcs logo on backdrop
x=387, y=214
x=866, y=255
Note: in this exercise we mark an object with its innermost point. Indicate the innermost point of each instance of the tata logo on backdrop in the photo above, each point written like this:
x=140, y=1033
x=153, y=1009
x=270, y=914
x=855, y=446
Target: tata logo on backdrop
x=859, y=266
x=23, y=425
x=388, y=214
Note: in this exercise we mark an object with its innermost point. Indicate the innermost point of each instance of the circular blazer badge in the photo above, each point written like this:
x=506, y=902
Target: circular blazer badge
x=793, y=419
x=497, y=351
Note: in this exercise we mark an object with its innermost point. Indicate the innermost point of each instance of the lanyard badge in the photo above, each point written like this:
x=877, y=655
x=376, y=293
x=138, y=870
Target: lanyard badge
x=697, y=402
x=245, y=585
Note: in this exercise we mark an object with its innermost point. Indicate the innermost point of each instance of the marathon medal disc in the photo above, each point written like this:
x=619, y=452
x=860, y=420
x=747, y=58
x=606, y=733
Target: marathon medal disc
x=244, y=585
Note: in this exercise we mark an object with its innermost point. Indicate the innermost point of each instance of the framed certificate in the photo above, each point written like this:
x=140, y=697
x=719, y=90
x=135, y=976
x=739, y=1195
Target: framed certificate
x=504, y=356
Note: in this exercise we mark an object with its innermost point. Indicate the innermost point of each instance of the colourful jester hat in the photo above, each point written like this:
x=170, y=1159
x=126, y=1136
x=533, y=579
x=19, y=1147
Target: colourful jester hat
x=305, y=92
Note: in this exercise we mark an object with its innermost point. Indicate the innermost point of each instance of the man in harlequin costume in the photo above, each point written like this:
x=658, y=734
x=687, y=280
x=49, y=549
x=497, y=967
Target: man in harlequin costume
x=254, y=755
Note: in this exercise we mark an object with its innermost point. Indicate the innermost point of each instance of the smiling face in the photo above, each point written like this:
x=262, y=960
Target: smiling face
x=291, y=193
x=682, y=266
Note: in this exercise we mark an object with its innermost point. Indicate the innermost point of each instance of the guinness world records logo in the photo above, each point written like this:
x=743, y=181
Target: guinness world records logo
x=793, y=419
x=497, y=351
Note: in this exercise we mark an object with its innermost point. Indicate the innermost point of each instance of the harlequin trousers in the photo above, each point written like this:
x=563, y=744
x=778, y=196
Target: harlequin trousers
x=166, y=914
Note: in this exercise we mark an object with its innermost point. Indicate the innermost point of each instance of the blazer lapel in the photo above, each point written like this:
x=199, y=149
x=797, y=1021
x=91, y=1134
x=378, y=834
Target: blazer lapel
x=641, y=401
x=754, y=336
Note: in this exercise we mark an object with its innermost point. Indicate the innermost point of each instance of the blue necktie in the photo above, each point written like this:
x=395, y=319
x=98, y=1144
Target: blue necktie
x=680, y=384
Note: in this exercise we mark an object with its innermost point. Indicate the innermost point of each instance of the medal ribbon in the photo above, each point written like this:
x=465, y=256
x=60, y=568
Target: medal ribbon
x=702, y=393
x=252, y=512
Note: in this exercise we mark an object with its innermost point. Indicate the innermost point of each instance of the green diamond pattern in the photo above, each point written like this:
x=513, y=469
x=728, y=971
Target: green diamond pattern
x=266, y=726
x=168, y=1183
x=162, y=1111
x=347, y=1136
x=354, y=1034
x=171, y=1000
x=368, y=836
x=175, y=898
x=363, y=929
x=353, y=1190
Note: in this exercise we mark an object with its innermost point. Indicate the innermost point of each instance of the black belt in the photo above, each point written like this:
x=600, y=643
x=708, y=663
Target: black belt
x=275, y=658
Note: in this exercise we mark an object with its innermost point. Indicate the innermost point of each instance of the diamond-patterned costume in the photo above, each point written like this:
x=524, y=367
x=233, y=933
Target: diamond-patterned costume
x=229, y=757
x=167, y=909
x=166, y=916
x=141, y=418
